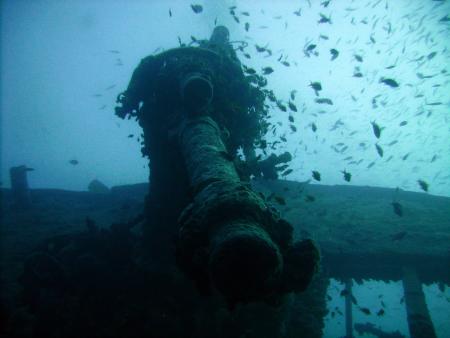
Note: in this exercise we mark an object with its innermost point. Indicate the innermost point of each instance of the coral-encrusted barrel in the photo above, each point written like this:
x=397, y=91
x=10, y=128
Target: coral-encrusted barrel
x=242, y=260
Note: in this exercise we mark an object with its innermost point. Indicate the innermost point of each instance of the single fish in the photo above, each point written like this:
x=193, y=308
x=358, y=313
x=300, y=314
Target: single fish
x=337, y=124
x=260, y=49
x=392, y=143
x=293, y=92
x=431, y=55
x=316, y=175
x=376, y=129
x=421, y=76
x=249, y=71
x=324, y=19
x=365, y=310
x=73, y=162
x=379, y=150
x=281, y=106
x=334, y=54
x=267, y=70
x=358, y=58
x=313, y=127
x=324, y=101
x=197, y=8
x=292, y=107
x=390, y=82
x=403, y=123
x=310, y=48
x=247, y=26
x=347, y=176
x=317, y=86
x=423, y=185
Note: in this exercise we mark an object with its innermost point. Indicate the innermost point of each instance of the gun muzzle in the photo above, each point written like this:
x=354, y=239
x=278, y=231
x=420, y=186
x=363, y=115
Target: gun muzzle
x=244, y=262
x=196, y=92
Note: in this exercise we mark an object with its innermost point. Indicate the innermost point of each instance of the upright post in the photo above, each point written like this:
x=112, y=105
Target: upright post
x=419, y=320
x=19, y=186
x=348, y=309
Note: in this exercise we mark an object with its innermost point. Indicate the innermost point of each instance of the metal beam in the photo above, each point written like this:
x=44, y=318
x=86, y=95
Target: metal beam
x=419, y=320
x=348, y=309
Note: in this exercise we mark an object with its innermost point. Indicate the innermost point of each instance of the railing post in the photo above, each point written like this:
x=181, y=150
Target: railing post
x=348, y=309
x=419, y=320
x=19, y=186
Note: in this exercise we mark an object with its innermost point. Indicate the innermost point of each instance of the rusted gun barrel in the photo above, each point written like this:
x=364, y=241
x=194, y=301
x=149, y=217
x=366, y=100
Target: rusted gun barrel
x=229, y=236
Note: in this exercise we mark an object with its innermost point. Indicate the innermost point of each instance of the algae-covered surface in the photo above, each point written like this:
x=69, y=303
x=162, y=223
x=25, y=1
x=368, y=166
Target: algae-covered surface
x=362, y=219
x=358, y=228
x=54, y=213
